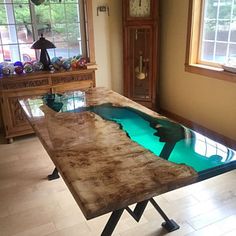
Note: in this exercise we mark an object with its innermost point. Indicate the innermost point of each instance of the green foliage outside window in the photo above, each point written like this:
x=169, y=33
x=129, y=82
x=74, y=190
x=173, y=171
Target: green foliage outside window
x=224, y=14
x=51, y=15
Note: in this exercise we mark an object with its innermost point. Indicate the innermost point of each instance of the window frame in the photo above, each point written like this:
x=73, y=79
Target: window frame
x=192, y=47
x=88, y=10
x=86, y=26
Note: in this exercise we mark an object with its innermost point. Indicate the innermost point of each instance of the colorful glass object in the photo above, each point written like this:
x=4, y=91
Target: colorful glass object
x=6, y=70
x=28, y=68
x=37, y=66
x=66, y=64
x=11, y=68
x=19, y=70
x=56, y=62
x=51, y=68
x=81, y=62
x=18, y=63
x=74, y=64
x=1, y=66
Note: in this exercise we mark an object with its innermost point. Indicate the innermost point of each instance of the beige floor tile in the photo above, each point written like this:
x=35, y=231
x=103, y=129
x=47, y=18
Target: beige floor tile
x=178, y=194
x=149, y=229
x=219, y=228
x=182, y=203
x=227, y=225
x=8, y=158
x=209, y=218
x=153, y=215
x=184, y=229
x=26, y=220
x=127, y=223
x=68, y=220
x=231, y=233
x=207, y=231
x=56, y=233
x=41, y=230
x=17, y=207
x=4, y=210
x=4, y=226
x=97, y=224
x=75, y=230
x=186, y=213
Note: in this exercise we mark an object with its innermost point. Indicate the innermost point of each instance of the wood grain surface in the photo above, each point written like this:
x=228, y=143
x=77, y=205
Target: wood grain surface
x=103, y=168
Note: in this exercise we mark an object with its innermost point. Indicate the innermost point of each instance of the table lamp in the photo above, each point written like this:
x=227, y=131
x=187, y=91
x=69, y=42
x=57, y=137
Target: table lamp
x=43, y=44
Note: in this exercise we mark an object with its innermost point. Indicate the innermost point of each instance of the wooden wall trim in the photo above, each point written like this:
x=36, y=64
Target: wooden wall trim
x=90, y=33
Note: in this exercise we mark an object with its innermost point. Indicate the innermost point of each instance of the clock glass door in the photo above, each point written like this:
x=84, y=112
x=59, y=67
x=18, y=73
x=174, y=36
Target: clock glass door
x=140, y=63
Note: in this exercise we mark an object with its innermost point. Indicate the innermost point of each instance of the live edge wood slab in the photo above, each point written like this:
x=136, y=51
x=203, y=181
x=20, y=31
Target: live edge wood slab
x=103, y=168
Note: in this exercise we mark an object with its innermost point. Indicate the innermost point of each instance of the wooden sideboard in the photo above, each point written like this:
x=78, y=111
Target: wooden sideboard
x=13, y=87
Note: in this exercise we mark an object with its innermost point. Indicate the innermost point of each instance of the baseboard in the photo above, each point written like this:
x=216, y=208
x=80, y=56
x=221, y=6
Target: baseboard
x=199, y=128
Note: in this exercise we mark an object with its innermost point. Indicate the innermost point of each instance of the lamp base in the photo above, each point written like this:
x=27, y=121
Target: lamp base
x=45, y=59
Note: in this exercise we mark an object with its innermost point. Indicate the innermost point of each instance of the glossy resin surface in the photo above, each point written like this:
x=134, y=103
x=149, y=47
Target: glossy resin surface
x=107, y=148
x=156, y=134
x=166, y=139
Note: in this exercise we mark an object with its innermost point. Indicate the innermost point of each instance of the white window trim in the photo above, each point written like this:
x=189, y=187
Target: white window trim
x=192, y=47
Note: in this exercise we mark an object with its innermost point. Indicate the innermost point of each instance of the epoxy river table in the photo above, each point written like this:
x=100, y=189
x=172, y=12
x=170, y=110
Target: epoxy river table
x=112, y=152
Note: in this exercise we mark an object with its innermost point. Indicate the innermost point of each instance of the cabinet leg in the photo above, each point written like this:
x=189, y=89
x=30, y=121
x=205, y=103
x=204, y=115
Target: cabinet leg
x=10, y=140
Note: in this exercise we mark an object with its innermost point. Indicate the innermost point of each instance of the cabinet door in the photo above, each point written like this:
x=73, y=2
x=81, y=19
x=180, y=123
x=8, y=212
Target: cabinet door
x=83, y=79
x=140, y=73
x=140, y=63
x=15, y=123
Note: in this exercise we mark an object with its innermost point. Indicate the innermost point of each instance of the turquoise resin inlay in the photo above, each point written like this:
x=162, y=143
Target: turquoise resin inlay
x=163, y=137
x=191, y=148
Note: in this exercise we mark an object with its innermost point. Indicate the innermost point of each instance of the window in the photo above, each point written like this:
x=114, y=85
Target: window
x=218, y=31
x=211, y=39
x=64, y=22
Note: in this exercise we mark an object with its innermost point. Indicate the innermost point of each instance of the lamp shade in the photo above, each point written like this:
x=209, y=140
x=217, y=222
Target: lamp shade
x=42, y=43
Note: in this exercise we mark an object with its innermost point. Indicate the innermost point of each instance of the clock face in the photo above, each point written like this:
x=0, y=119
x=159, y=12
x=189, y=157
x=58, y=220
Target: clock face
x=139, y=8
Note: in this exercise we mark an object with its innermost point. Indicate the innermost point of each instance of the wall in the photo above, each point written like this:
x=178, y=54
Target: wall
x=205, y=101
x=108, y=45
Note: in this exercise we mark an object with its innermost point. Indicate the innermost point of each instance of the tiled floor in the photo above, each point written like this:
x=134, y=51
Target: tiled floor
x=32, y=206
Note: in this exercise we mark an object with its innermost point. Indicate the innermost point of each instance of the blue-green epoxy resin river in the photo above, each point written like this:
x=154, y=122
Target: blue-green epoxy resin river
x=189, y=147
x=163, y=137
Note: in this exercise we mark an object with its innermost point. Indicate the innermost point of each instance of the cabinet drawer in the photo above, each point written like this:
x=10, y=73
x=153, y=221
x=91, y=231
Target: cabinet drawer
x=71, y=78
x=82, y=85
x=24, y=83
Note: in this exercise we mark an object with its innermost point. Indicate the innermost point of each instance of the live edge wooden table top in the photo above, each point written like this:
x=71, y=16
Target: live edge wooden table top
x=103, y=168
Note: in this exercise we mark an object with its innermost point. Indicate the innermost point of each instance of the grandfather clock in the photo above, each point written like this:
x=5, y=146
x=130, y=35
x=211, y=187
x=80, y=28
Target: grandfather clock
x=140, y=50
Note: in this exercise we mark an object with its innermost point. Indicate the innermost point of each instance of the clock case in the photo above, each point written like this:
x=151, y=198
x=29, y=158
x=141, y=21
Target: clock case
x=140, y=55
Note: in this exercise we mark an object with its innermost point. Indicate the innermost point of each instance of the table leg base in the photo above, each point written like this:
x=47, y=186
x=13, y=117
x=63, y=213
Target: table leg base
x=170, y=225
x=112, y=222
x=54, y=175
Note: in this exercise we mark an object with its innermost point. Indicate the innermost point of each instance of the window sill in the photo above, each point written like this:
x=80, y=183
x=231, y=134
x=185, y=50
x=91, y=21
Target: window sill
x=213, y=72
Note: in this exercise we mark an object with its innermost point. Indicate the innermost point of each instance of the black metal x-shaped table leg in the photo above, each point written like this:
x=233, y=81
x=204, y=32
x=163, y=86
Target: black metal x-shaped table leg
x=169, y=224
